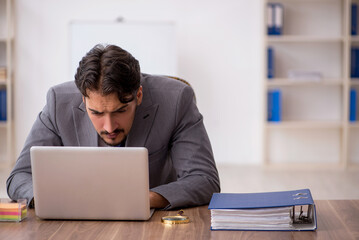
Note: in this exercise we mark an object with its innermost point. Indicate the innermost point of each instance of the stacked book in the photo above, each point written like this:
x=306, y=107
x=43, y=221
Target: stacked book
x=269, y=211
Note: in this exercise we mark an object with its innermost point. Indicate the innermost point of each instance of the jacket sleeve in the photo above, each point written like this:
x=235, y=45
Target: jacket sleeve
x=42, y=133
x=192, y=158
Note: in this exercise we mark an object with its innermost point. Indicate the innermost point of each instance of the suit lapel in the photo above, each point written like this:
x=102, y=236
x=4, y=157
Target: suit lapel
x=85, y=132
x=141, y=126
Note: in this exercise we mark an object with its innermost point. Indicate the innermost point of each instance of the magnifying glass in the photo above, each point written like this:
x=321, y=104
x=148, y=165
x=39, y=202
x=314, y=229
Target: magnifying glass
x=178, y=219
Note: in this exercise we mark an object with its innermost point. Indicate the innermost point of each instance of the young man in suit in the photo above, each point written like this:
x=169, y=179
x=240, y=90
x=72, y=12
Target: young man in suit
x=111, y=103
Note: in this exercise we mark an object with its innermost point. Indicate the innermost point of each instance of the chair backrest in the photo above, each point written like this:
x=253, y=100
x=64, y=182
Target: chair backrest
x=184, y=81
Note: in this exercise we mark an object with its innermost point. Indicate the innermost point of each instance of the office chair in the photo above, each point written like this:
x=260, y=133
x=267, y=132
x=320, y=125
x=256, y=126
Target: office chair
x=184, y=81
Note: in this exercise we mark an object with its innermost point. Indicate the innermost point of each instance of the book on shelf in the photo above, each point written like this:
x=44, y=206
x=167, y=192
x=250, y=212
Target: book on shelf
x=354, y=19
x=270, y=62
x=3, y=105
x=2, y=73
x=266, y=211
x=274, y=105
x=304, y=76
x=270, y=19
x=278, y=20
x=354, y=62
x=353, y=105
x=275, y=18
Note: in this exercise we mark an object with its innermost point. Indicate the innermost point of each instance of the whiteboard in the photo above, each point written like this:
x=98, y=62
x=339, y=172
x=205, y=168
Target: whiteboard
x=152, y=44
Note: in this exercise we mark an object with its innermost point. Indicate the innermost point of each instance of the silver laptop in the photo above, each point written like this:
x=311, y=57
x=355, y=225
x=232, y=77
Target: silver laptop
x=104, y=183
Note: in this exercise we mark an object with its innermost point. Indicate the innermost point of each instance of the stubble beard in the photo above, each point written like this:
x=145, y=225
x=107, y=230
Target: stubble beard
x=113, y=144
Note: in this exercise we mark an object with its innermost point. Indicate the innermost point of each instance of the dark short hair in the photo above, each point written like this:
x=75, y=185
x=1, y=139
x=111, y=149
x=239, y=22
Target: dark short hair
x=109, y=69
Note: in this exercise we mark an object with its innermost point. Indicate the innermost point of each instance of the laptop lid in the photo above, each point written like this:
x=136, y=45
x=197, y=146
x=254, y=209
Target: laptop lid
x=104, y=183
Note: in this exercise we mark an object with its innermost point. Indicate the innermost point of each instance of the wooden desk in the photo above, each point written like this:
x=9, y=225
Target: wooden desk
x=337, y=219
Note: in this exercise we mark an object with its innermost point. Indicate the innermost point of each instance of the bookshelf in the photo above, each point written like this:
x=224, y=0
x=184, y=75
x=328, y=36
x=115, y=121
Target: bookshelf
x=314, y=129
x=6, y=81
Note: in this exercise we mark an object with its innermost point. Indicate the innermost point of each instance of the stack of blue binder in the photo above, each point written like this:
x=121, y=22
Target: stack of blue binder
x=274, y=107
x=3, y=105
x=270, y=62
x=354, y=19
x=275, y=18
x=353, y=105
x=270, y=211
x=354, y=62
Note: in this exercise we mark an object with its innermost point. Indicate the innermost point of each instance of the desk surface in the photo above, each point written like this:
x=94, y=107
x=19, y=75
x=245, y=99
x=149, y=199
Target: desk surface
x=337, y=219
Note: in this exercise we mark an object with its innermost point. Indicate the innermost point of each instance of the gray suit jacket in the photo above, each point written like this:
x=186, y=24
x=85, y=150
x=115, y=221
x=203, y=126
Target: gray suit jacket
x=167, y=123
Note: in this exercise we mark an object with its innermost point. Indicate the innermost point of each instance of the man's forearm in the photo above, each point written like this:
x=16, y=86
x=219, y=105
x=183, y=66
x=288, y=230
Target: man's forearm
x=19, y=186
x=157, y=200
x=189, y=191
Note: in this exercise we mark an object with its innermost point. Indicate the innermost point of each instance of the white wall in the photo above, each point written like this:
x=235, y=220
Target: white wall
x=219, y=52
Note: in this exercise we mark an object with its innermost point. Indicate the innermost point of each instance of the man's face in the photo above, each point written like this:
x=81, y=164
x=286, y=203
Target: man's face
x=111, y=118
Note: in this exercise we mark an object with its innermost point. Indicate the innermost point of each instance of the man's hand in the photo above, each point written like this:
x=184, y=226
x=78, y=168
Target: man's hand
x=157, y=201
